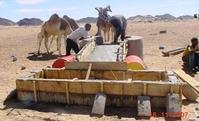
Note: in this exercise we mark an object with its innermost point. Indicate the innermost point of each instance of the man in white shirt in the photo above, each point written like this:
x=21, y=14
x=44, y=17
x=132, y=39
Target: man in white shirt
x=78, y=34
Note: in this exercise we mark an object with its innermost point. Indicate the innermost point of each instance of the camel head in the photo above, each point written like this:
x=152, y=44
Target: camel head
x=66, y=17
x=108, y=8
x=104, y=11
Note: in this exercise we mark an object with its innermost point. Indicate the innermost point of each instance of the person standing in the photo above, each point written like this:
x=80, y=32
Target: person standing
x=72, y=39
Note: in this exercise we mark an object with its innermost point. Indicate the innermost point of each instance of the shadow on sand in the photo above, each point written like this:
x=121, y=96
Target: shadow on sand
x=42, y=57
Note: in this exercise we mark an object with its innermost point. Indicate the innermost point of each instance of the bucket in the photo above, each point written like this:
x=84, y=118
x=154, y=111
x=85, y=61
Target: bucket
x=135, y=63
x=60, y=63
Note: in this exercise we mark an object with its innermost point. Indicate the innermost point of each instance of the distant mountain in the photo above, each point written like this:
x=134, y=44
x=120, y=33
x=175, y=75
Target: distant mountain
x=165, y=17
x=6, y=22
x=185, y=17
x=140, y=18
x=87, y=20
x=30, y=22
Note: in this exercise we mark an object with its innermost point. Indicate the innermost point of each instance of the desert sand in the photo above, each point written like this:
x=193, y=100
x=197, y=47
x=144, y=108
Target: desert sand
x=21, y=42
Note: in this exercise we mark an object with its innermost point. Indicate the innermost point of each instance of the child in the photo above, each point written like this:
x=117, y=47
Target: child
x=191, y=55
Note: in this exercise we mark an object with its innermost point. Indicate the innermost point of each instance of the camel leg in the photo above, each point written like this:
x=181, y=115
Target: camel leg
x=40, y=41
x=98, y=31
x=53, y=37
x=46, y=44
x=113, y=34
x=59, y=44
x=108, y=33
x=105, y=35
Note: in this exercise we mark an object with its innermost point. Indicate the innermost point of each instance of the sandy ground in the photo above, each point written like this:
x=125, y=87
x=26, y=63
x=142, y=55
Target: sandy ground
x=21, y=42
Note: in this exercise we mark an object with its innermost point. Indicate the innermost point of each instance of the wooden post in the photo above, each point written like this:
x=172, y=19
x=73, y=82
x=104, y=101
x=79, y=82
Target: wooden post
x=102, y=87
x=35, y=91
x=88, y=72
x=67, y=95
x=124, y=52
x=145, y=89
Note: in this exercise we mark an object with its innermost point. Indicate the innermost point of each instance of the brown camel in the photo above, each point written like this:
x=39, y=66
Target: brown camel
x=55, y=26
x=73, y=25
x=103, y=23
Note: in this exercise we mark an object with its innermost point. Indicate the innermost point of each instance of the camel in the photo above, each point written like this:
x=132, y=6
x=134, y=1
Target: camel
x=103, y=23
x=55, y=26
x=117, y=24
x=73, y=25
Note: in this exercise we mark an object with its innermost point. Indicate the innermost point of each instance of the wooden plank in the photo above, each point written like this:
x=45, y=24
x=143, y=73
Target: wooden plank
x=147, y=75
x=99, y=104
x=86, y=50
x=104, y=72
x=51, y=73
x=119, y=87
x=188, y=79
x=189, y=93
x=144, y=106
x=173, y=52
x=97, y=66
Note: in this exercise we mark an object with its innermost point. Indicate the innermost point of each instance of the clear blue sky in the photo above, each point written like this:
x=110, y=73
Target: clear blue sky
x=18, y=9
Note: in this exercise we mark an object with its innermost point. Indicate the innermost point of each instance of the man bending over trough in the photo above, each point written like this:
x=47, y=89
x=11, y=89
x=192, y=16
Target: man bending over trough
x=72, y=39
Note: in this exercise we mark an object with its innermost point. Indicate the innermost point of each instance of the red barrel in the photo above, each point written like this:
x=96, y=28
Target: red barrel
x=59, y=63
x=135, y=63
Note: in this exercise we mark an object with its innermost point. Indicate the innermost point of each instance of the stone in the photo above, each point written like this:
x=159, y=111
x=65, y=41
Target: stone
x=173, y=106
x=144, y=106
x=99, y=104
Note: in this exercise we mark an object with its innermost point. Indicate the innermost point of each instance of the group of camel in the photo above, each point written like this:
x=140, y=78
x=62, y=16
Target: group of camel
x=56, y=27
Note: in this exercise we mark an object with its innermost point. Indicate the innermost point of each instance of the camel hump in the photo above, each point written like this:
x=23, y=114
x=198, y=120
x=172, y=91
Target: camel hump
x=64, y=24
x=54, y=19
x=72, y=22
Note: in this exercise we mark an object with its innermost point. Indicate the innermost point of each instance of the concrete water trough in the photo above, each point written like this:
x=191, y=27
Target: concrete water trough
x=101, y=83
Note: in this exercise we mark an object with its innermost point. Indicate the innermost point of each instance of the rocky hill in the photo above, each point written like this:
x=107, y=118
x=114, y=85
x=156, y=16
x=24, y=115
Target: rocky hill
x=140, y=18
x=165, y=17
x=87, y=20
x=185, y=17
x=6, y=22
x=30, y=22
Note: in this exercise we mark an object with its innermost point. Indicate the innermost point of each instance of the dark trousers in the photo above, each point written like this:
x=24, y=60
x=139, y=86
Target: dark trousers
x=191, y=61
x=70, y=44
